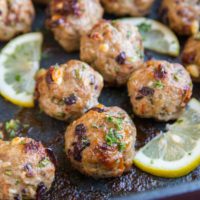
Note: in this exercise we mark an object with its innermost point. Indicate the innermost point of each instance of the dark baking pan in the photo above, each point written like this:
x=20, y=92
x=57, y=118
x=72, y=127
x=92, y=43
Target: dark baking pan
x=70, y=184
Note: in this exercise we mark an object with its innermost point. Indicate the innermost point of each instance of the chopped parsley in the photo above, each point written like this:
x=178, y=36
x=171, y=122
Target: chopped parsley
x=8, y=172
x=116, y=121
x=144, y=27
x=158, y=84
x=176, y=77
x=114, y=138
x=77, y=74
x=44, y=162
x=17, y=77
x=128, y=35
x=12, y=127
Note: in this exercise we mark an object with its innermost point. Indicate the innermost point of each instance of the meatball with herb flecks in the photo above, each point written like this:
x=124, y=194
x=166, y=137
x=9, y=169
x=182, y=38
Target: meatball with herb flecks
x=182, y=16
x=127, y=7
x=114, y=49
x=69, y=19
x=25, y=168
x=67, y=91
x=191, y=57
x=15, y=17
x=160, y=90
x=101, y=143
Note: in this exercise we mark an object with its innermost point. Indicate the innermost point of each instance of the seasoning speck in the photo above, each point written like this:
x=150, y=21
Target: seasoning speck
x=120, y=59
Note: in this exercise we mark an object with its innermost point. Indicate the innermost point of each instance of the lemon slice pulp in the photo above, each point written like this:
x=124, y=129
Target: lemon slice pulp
x=19, y=61
x=176, y=152
x=156, y=36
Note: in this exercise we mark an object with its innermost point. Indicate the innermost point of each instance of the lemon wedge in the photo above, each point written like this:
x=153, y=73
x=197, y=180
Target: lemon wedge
x=19, y=61
x=156, y=36
x=177, y=152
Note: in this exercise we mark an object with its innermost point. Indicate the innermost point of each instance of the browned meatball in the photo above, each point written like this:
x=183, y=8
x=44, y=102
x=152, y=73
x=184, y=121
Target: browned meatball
x=15, y=17
x=101, y=143
x=67, y=91
x=127, y=7
x=191, y=56
x=183, y=16
x=160, y=90
x=69, y=19
x=25, y=168
x=114, y=49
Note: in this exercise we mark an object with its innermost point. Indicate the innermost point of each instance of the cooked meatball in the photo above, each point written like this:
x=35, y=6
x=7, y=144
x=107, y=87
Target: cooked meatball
x=101, y=143
x=25, y=169
x=16, y=17
x=191, y=56
x=127, y=7
x=67, y=91
x=114, y=49
x=183, y=16
x=69, y=19
x=160, y=90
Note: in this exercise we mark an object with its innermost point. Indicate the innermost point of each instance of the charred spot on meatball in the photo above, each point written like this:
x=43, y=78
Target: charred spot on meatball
x=41, y=189
x=81, y=143
x=29, y=170
x=121, y=58
x=31, y=147
x=80, y=130
x=146, y=91
x=72, y=99
x=97, y=109
x=160, y=72
x=49, y=78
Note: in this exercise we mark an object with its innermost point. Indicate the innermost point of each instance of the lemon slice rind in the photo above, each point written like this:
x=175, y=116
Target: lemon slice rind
x=6, y=90
x=171, y=169
x=152, y=44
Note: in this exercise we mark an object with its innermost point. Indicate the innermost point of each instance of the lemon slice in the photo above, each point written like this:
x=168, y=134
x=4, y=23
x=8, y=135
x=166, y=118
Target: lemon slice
x=19, y=61
x=176, y=152
x=156, y=36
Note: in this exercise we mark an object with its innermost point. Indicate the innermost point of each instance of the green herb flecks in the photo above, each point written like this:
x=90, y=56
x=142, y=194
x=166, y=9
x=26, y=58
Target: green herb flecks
x=14, y=128
x=116, y=121
x=176, y=78
x=44, y=162
x=8, y=172
x=128, y=35
x=114, y=138
x=158, y=84
x=77, y=74
x=144, y=28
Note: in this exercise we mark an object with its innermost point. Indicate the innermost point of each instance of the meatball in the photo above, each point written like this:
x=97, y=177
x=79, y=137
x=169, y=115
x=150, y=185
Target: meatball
x=67, y=91
x=25, y=169
x=114, y=49
x=101, y=143
x=183, y=16
x=191, y=56
x=69, y=19
x=15, y=17
x=127, y=7
x=160, y=90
